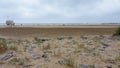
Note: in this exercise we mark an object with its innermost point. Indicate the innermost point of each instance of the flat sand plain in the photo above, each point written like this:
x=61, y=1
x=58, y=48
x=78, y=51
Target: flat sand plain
x=54, y=31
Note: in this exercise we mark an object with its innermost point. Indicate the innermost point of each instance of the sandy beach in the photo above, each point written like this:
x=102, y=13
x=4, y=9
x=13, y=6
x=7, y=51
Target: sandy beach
x=59, y=47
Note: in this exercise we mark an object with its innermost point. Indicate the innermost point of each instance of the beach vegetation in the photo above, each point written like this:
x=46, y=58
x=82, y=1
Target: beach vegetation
x=117, y=32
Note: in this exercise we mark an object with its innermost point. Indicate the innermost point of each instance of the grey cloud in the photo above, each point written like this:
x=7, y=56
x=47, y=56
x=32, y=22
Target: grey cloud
x=61, y=10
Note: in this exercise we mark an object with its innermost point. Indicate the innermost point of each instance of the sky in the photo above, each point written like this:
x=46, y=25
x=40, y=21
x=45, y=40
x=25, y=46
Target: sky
x=60, y=11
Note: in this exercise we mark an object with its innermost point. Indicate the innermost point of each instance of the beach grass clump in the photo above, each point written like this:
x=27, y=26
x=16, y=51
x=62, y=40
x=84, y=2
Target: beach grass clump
x=57, y=53
x=3, y=45
x=36, y=39
x=17, y=61
x=85, y=48
x=117, y=58
x=46, y=46
x=12, y=47
x=117, y=32
x=69, y=62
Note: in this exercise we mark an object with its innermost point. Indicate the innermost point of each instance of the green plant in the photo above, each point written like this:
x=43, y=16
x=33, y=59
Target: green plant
x=36, y=39
x=70, y=62
x=85, y=48
x=117, y=32
x=46, y=46
x=17, y=61
x=21, y=62
x=12, y=47
x=57, y=53
x=3, y=45
x=117, y=58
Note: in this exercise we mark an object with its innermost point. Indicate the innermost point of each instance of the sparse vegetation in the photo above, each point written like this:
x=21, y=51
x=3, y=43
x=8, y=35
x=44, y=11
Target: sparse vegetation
x=65, y=53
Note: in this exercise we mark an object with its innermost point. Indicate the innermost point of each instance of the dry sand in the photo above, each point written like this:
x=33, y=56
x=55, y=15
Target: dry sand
x=54, y=31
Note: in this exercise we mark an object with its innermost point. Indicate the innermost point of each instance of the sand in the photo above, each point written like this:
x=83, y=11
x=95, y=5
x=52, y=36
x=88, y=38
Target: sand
x=55, y=31
x=63, y=46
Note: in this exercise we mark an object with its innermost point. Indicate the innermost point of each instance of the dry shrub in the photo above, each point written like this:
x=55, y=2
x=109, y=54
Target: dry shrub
x=3, y=45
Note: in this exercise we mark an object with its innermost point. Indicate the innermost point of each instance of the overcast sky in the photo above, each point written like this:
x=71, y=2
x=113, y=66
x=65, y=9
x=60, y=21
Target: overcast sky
x=60, y=11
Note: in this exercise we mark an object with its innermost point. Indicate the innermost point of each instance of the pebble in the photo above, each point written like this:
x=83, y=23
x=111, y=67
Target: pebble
x=109, y=66
x=117, y=38
x=83, y=66
x=7, y=56
x=47, y=60
x=110, y=61
x=33, y=47
x=27, y=66
x=42, y=40
x=86, y=66
x=60, y=38
x=61, y=62
x=70, y=37
x=36, y=56
x=105, y=45
x=46, y=51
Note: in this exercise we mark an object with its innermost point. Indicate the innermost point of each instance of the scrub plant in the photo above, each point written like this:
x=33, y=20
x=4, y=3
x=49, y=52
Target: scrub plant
x=117, y=32
x=3, y=45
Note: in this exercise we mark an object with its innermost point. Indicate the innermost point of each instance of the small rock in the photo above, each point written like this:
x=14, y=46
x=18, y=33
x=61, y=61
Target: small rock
x=105, y=45
x=109, y=66
x=70, y=37
x=83, y=66
x=102, y=49
x=91, y=66
x=30, y=50
x=27, y=66
x=86, y=66
x=26, y=46
x=47, y=59
x=46, y=51
x=45, y=55
x=7, y=56
x=33, y=47
x=36, y=56
x=83, y=37
x=117, y=38
x=60, y=38
x=110, y=61
x=42, y=40
x=61, y=62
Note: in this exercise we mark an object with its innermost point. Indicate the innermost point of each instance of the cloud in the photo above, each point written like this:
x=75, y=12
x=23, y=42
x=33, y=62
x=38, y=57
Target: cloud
x=60, y=10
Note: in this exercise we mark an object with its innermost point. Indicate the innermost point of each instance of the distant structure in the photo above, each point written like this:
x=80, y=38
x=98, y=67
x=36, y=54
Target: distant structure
x=10, y=23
